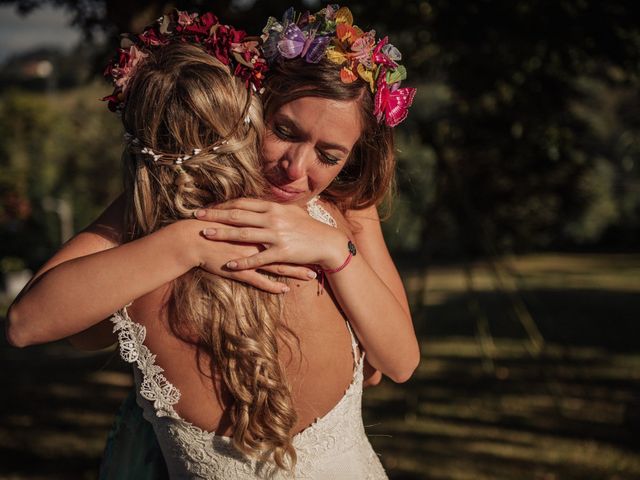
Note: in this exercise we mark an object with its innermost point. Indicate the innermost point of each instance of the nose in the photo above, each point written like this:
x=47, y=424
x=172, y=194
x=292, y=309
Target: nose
x=296, y=160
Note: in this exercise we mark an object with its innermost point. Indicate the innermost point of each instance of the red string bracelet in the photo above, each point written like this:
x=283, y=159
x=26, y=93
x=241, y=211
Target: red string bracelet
x=322, y=273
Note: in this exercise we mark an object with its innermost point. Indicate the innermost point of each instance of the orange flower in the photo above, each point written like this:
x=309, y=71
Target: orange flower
x=347, y=76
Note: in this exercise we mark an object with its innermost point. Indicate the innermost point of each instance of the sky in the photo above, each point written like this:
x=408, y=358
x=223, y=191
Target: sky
x=46, y=26
x=49, y=26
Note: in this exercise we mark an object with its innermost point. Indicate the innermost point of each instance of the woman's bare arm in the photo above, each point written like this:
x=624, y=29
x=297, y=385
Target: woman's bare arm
x=370, y=241
x=93, y=275
x=102, y=234
x=369, y=290
x=379, y=312
x=88, y=280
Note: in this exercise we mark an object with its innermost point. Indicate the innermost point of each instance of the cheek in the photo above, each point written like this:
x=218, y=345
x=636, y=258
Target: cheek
x=325, y=175
x=272, y=150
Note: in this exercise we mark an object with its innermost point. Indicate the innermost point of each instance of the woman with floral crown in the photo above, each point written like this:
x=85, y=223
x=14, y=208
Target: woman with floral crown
x=238, y=382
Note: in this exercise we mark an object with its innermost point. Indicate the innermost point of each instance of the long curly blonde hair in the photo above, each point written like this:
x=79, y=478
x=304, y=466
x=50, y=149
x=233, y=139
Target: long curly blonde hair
x=178, y=100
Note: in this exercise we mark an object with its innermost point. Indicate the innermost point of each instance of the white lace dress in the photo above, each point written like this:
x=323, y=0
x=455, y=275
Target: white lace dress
x=334, y=447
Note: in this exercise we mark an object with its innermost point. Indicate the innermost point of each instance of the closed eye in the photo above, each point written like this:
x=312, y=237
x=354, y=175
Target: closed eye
x=286, y=133
x=327, y=160
x=283, y=132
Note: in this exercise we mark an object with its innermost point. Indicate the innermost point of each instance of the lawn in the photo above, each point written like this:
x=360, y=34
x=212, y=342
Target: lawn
x=530, y=370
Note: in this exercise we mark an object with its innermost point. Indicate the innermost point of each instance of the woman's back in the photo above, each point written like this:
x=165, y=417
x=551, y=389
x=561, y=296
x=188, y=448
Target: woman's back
x=319, y=370
x=324, y=371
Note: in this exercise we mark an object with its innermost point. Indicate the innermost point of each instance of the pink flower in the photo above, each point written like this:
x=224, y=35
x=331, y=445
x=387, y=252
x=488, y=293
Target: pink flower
x=126, y=69
x=363, y=47
x=151, y=37
x=244, y=47
x=186, y=18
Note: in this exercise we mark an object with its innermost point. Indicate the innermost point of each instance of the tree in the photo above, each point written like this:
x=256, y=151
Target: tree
x=506, y=148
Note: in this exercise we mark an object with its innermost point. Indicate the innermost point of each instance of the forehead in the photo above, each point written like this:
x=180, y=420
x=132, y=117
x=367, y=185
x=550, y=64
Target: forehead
x=322, y=118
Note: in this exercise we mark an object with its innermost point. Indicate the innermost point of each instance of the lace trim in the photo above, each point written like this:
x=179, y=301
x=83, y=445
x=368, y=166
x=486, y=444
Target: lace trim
x=207, y=455
x=194, y=442
x=319, y=213
x=200, y=450
x=155, y=387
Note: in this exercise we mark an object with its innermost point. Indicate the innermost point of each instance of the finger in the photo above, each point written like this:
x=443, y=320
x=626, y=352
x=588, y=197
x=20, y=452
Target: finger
x=291, y=271
x=255, y=279
x=244, y=235
x=270, y=255
x=235, y=216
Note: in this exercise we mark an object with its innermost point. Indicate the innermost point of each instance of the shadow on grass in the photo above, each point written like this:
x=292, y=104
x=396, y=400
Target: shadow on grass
x=56, y=410
x=568, y=412
x=573, y=317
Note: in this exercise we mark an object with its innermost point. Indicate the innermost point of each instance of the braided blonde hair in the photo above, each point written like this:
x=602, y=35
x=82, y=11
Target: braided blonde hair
x=181, y=99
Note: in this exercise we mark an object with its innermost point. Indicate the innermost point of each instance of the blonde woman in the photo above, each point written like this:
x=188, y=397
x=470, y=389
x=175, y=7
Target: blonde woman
x=266, y=373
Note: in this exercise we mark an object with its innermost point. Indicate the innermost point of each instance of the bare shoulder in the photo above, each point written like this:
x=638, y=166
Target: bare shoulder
x=367, y=230
x=109, y=226
x=342, y=222
x=369, y=214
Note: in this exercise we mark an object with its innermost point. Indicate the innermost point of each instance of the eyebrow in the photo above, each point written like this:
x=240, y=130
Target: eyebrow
x=324, y=145
x=334, y=146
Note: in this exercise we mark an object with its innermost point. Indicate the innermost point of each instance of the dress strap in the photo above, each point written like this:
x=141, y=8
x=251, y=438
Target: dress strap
x=155, y=387
x=319, y=213
x=357, y=356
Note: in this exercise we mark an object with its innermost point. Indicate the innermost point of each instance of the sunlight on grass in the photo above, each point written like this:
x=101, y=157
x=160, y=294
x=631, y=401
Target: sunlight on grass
x=567, y=271
x=482, y=405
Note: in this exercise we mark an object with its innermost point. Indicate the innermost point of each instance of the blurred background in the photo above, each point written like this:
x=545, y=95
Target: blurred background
x=515, y=227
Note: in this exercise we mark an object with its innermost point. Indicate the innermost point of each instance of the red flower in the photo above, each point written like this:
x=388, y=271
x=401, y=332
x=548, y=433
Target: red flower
x=254, y=76
x=202, y=25
x=113, y=100
x=208, y=20
x=151, y=37
x=222, y=42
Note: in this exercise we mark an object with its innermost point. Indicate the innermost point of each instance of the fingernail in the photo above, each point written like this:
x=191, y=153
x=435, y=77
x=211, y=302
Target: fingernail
x=311, y=274
x=285, y=289
x=209, y=232
x=200, y=213
x=232, y=264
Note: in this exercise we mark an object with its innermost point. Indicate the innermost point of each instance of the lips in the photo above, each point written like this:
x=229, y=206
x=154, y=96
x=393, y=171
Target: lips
x=285, y=193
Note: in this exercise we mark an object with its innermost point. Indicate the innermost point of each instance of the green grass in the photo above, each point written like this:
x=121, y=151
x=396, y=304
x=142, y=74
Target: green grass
x=529, y=372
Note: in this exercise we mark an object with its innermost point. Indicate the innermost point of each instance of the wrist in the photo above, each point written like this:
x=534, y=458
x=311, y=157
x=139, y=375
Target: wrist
x=337, y=254
x=185, y=242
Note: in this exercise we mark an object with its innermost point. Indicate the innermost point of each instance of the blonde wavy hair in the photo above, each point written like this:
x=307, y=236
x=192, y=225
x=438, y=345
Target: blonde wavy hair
x=181, y=99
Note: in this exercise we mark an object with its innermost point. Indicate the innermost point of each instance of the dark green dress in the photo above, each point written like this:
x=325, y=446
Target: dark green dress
x=132, y=451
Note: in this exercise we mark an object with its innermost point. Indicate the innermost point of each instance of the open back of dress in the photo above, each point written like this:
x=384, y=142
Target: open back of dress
x=335, y=446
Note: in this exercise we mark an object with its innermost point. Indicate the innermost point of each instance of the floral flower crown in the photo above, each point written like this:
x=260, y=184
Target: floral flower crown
x=232, y=47
x=331, y=33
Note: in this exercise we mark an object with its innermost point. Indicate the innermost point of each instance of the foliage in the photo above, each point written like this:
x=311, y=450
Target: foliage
x=62, y=70
x=525, y=157
x=63, y=147
x=524, y=132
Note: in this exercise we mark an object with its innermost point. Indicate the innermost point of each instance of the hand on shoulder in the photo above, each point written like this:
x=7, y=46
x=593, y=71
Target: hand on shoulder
x=287, y=233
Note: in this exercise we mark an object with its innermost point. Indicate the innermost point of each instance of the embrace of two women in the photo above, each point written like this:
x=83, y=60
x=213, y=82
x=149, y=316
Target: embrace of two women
x=253, y=291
